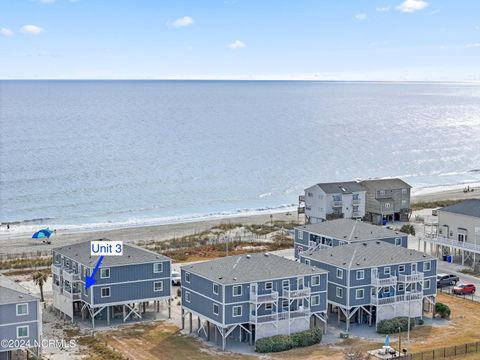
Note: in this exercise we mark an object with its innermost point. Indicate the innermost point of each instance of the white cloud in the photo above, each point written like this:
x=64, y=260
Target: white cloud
x=182, y=22
x=31, y=29
x=237, y=44
x=361, y=16
x=383, y=8
x=409, y=6
x=6, y=32
x=474, y=45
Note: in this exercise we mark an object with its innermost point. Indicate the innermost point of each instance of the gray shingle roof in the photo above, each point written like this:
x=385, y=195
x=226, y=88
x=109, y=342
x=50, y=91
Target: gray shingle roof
x=11, y=292
x=341, y=187
x=247, y=268
x=385, y=184
x=80, y=253
x=469, y=207
x=350, y=230
x=367, y=254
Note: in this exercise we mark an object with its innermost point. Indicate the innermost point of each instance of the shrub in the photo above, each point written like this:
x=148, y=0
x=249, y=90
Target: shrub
x=279, y=343
x=392, y=326
x=443, y=310
x=408, y=229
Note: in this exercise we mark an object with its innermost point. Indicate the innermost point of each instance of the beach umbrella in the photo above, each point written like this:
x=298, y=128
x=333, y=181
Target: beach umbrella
x=387, y=340
x=43, y=233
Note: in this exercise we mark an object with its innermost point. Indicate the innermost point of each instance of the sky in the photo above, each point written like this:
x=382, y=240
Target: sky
x=240, y=39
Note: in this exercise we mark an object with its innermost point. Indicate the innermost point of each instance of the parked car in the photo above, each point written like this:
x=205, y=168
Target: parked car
x=464, y=289
x=176, y=278
x=446, y=280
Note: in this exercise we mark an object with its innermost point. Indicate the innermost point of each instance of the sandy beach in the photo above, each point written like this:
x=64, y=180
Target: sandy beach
x=19, y=243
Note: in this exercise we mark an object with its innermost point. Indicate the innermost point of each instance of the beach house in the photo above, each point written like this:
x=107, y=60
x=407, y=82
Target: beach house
x=326, y=201
x=125, y=285
x=387, y=200
x=343, y=231
x=20, y=320
x=373, y=281
x=248, y=297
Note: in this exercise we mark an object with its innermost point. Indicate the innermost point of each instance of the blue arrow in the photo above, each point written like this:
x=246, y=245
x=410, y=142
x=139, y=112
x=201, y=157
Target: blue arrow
x=90, y=280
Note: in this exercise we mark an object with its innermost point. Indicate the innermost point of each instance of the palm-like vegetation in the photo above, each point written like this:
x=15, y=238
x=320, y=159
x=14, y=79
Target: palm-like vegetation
x=39, y=278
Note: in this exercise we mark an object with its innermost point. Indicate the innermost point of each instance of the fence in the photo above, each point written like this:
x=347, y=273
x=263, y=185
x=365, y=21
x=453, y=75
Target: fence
x=449, y=352
x=25, y=255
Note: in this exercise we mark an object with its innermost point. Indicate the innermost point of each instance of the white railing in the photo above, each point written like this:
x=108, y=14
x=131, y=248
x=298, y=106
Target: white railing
x=70, y=275
x=296, y=293
x=413, y=277
x=384, y=300
x=337, y=204
x=264, y=298
x=454, y=243
x=299, y=314
x=56, y=269
x=416, y=295
x=263, y=318
x=383, y=282
x=73, y=296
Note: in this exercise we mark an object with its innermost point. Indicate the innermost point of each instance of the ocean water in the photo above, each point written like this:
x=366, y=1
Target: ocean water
x=106, y=153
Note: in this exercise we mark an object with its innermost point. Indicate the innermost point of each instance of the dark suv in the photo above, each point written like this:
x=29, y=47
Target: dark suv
x=446, y=280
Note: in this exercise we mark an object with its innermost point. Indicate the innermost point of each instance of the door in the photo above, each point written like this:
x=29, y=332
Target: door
x=253, y=288
x=300, y=283
x=374, y=273
x=414, y=268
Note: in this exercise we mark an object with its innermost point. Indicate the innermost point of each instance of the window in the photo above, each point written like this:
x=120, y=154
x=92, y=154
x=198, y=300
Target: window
x=316, y=280
x=300, y=235
x=340, y=273
x=237, y=290
x=315, y=300
x=386, y=270
x=158, y=286
x=286, y=284
x=104, y=273
x=307, y=262
x=386, y=290
x=157, y=267
x=285, y=305
x=187, y=277
x=105, y=292
x=22, y=331
x=22, y=309
x=215, y=309
x=401, y=287
x=268, y=307
x=339, y=292
x=359, y=293
x=85, y=272
x=404, y=201
x=355, y=197
x=401, y=268
x=188, y=296
x=398, y=241
x=382, y=192
x=237, y=311
x=404, y=191
x=427, y=266
x=215, y=289
x=426, y=284
x=387, y=205
x=309, y=194
x=360, y=274
x=268, y=285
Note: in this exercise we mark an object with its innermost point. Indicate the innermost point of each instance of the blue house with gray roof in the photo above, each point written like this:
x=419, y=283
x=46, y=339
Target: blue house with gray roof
x=125, y=285
x=373, y=281
x=343, y=231
x=20, y=320
x=248, y=297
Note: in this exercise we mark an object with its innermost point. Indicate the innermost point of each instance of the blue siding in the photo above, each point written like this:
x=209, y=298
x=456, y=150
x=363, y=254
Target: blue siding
x=8, y=316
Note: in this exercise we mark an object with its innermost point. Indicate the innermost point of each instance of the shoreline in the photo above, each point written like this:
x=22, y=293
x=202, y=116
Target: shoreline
x=20, y=242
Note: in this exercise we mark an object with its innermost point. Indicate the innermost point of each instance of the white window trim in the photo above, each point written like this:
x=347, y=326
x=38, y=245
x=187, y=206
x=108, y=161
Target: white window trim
x=401, y=287
x=426, y=284
x=398, y=241
x=357, y=292
x=315, y=302
x=339, y=271
x=233, y=290
x=339, y=292
x=101, y=273
x=362, y=272
x=23, y=327
x=388, y=290
x=429, y=266
x=300, y=235
x=161, y=285
x=155, y=270
x=213, y=288
x=17, y=307
x=270, y=306
x=316, y=280
x=387, y=270
x=307, y=262
x=236, y=307
x=109, y=292
x=218, y=309
x=187, y=276
x=285, y=305
x=400, y=267
x=188, y=296
x=286, y=281
x=269, y=283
